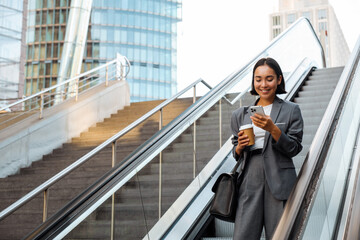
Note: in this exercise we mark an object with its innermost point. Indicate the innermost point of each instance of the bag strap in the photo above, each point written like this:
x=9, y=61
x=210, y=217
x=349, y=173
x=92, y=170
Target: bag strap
x=237, y=166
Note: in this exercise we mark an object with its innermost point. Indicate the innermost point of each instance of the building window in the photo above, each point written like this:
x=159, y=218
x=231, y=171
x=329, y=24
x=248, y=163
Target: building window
x=322, y=14
x=291, y=18
x=322, y=26
x=276, y=32
x=276, y=20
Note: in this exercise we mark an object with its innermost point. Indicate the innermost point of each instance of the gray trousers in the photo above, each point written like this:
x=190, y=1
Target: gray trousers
x=257, y=208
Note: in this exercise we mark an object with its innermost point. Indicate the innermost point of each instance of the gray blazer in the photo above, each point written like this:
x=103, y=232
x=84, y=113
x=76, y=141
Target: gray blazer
x=279, y=168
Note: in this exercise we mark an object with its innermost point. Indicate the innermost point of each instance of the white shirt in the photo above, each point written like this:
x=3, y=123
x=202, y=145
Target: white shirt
x=259, y=132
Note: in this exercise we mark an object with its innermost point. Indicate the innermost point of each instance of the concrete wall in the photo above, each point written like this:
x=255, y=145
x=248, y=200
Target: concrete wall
x=27, y=141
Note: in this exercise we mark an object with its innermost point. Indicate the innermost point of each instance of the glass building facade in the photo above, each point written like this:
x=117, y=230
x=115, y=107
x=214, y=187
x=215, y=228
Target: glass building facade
x=12, y=42
x=145, y=31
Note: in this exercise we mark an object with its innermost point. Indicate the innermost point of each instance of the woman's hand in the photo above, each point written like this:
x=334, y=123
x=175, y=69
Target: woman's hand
x=265, y=122
x=243, y=141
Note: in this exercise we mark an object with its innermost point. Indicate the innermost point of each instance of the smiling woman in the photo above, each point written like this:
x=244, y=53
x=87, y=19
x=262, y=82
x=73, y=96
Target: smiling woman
x=269, y=174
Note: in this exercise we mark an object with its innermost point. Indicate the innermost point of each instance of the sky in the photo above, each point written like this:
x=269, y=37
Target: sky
x=215, y=37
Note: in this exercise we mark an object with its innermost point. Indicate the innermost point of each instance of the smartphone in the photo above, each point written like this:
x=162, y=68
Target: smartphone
x=256, y=109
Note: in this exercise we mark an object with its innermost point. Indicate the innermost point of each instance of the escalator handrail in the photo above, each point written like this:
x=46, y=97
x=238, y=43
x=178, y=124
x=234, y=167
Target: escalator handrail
x=318, y=149
x=160, y=140
x=350, y=222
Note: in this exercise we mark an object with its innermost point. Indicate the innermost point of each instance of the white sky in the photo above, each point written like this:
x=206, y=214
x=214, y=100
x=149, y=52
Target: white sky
x=216, y=37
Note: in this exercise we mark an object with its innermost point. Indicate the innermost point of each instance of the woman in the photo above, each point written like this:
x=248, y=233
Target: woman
x=269, y=173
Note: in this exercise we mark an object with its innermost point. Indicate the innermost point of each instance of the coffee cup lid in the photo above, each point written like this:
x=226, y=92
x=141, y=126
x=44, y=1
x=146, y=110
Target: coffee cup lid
x=245, y=127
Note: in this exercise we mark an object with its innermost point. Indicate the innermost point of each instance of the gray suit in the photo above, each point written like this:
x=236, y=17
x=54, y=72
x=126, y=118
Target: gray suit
x=279, y=168
x=270, y=175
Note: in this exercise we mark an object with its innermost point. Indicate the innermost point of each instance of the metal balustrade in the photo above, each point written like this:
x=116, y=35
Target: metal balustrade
x=116, y=69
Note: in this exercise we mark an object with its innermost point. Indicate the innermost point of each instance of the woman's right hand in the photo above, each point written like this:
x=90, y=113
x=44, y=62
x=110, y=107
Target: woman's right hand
x=243, y=141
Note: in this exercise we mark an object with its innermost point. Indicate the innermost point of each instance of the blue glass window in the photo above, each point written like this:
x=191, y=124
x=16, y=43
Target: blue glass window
x=137, y=37
x=156, y=90
x=137, y=20
x=117, y=35
x=144, y=5
x=131, y=19
x=124, y=4
x=110, y=34
x=157, y=7
x=95, y=33
x=156, y=23
x=149, y=89
x=117, y=18
x=150, y=55
x=150, y=72
x=136, y=71
x=111, y=17
x=102, y=51
x=103, y=36
x=151, y=6
x=130, y=36
x=150, y=22
x=143, y=71
x=156, y=40
x=150, y=39
x=131, y=4
x=96, y=16
x=123, y=36
x=143, y=55
x=143, y=38
x=162, y=24
x=137, y=54
x=156, y=55
x=124, y=19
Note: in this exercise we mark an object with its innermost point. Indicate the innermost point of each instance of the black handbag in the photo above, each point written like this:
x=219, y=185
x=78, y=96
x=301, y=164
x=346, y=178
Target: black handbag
x=224, y=202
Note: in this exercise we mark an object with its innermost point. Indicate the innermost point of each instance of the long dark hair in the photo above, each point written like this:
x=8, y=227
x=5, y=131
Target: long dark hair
x=276, y=67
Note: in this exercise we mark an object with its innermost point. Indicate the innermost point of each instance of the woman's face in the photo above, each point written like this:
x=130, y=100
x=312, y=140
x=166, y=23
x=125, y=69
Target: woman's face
x=266, y=82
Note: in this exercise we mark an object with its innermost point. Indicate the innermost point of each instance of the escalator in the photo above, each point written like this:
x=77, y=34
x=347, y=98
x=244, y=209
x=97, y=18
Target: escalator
x=324, y=201
x=187, y=217
x=313, y=98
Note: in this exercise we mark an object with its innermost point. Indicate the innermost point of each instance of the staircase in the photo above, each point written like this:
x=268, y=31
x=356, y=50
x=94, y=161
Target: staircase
x=136, y=204
x=313, y=99
x=14, y=187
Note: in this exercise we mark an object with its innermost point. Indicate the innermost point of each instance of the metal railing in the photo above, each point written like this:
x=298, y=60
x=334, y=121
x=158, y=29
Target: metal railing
x=116, y=69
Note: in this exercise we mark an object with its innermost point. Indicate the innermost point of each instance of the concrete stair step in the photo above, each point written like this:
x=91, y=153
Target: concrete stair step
x=322, y=92
x=313, y=99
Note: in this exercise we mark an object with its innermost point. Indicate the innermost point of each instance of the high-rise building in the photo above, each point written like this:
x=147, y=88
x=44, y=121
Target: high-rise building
x=12, y=49
x=324, y=21
x=145, y=31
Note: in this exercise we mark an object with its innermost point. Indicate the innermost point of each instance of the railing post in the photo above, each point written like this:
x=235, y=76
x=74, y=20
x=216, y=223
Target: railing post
x=160, y=166
x=113, y=161
x=45, y=206
x=41, y=105
x=107, y=76
x=194, y=139
x=220, y=124
x=118, y=67
x=76, y=89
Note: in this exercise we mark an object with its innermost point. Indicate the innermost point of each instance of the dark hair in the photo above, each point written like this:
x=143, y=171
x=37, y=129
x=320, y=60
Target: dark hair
x=276, y=67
